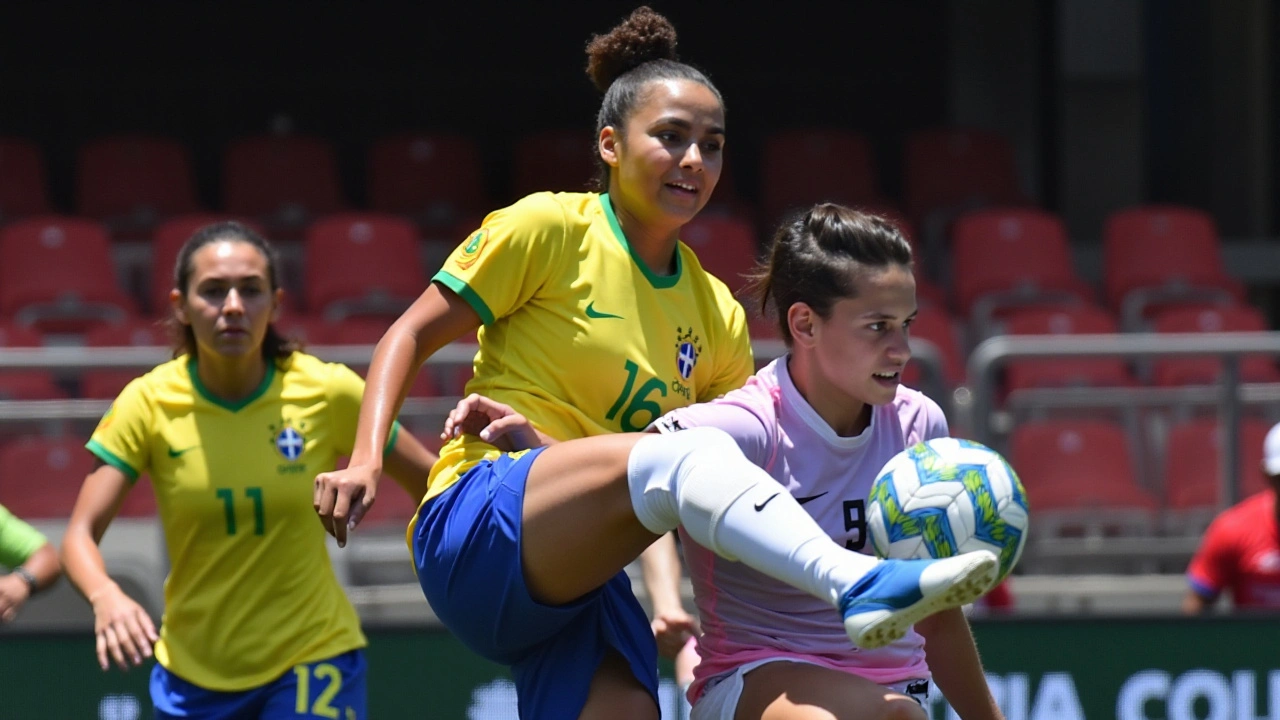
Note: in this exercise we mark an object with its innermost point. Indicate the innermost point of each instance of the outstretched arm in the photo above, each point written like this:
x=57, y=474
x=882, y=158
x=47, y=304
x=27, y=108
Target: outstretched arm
x=435, y=319
x=953, y=659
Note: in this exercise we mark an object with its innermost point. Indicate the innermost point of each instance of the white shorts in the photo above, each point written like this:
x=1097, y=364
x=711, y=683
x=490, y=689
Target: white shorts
x=720, y=699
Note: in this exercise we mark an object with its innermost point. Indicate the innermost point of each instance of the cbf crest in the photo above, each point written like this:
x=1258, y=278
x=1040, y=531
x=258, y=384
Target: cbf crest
x=289, y=441
x=688, y=349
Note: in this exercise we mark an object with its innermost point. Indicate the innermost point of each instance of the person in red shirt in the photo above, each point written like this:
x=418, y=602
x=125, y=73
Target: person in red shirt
x=1240, y=551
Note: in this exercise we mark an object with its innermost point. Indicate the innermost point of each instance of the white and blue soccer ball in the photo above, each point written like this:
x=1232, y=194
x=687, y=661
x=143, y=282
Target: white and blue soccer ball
x=945, y=497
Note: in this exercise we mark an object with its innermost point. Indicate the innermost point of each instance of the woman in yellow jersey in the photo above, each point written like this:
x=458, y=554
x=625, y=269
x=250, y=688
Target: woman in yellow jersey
x=232, y=432
x=594, y=319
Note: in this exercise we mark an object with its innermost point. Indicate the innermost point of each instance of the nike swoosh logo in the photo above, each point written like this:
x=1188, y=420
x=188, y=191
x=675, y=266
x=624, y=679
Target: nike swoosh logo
x=766, y=502
x=179, y=453
x=592, y=312
x=803, y=500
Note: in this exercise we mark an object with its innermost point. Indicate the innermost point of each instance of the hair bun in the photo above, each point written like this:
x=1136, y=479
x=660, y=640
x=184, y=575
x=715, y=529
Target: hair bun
x=644, y=36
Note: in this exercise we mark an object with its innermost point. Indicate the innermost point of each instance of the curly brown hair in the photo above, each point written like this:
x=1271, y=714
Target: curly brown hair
x=622, y=62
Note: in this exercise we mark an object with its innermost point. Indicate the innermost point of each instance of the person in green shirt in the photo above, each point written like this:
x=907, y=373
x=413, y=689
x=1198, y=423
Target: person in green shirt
x=31, y=561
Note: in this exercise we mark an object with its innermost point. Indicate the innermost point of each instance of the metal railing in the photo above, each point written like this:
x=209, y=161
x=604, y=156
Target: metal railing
x=1230, y=394
x=60, y=359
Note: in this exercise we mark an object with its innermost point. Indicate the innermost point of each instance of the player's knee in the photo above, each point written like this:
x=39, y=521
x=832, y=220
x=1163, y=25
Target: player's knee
x=655, y=465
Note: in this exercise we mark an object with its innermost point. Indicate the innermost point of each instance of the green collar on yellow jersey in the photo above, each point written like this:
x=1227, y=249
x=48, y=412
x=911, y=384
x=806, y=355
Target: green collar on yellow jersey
x=267, y=377
x=658, y=281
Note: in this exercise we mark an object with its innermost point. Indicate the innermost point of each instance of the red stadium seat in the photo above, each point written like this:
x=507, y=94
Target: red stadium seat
x=1191, y=462
x=132, y=181
x=953, y=169
x=167, y=241
x=1064, y=372
x=57, y=273
x=805, y=166
x=362, y=264
x=556, y=160
x=1003, y=258
x=726, y=247
x=107, y=384
x=23, y=182
x=25, y=384
x=935, y=325
x=368, y=331
x=41, y=477
x=1154, y=255
x=435, y=179
x=1214, y=319
x=281, y=181
x=1079, y=476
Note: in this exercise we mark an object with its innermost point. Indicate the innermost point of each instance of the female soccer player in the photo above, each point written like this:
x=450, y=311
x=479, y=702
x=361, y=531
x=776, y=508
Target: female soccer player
x=233, y=432
x=822, y=420
x=596, y=319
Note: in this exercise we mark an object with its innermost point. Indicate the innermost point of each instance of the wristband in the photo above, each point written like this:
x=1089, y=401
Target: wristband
x=27, y=576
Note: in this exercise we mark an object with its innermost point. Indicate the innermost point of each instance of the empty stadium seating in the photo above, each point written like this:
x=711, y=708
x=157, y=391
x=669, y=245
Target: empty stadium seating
x=25, y=384
x=57, y=273
x=803, y=166
x=1063, y=372
x=23, y=180
x=561, y=160
x=362, y=264
x=954, y=169
x=1080, y=478
x=282, y=181
x=106, y=384
x=1210, y=319
x=40, y=477
x=132, y=181
x=1155, y=255
x=1009, y=257
x=1192, y=474
x=433, y=178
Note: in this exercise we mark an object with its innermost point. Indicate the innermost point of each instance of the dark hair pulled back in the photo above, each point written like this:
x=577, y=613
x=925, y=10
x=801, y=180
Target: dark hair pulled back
x=274, y=346
x=816, y=256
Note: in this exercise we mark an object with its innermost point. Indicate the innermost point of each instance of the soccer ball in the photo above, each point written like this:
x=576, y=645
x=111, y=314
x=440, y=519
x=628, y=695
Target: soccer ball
x=948, y=496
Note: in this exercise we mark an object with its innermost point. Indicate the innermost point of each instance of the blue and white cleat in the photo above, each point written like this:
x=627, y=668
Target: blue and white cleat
x=897, y=594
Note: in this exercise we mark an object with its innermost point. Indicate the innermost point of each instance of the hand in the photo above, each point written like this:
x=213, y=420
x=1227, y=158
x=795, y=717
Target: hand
x=672, y=629
x=493, y=422
x=122, y=629
x=14, y=591
x=342, y=498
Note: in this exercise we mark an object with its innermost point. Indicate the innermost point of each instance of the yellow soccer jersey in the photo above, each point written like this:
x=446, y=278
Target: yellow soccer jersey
x=579, y=335
x=251, y=591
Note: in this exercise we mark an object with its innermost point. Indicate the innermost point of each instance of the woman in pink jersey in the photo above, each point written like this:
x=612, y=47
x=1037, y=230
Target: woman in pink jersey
x=822, y=421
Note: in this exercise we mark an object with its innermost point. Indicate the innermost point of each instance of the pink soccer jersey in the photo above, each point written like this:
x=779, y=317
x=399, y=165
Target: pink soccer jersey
x=749, y=616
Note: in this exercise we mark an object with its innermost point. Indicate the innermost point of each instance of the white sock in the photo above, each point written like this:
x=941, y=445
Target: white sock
x=699, y=479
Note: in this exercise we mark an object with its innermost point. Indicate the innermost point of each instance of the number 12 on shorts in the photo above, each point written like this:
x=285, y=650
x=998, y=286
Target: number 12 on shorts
x=323, y=672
